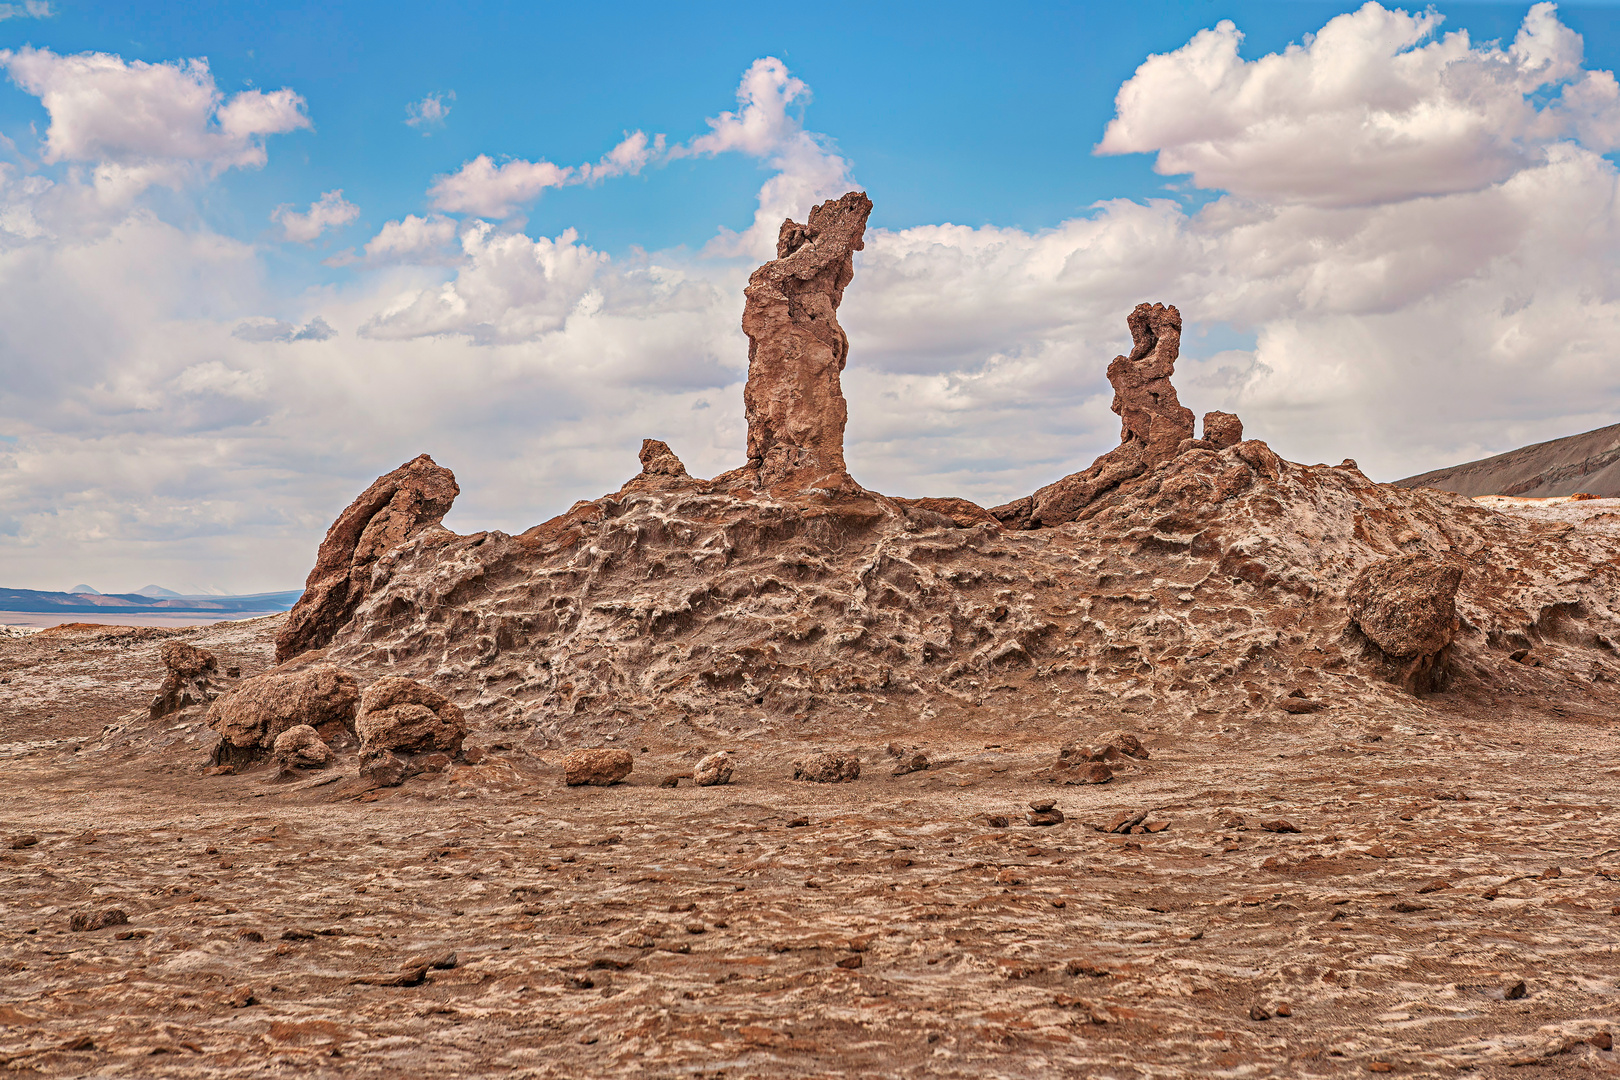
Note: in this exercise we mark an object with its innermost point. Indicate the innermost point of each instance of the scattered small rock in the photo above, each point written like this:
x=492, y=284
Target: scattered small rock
x=829, y=767
x=84, y=921
x=1043, y=812
x=1515, y=992
x=672, y=780
x=1124, y=821
x=713, y=770
x=1602, y=1040
x=910, y=762
x=1280, y=825
x=1435, y=886
x=26, y=841
x=1259, y=1012
x=241, y=998
x=597, y=767
x=851, y=963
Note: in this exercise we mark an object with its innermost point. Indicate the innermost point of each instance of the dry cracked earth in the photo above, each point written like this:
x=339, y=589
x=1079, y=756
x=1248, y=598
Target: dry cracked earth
x=1447, y=905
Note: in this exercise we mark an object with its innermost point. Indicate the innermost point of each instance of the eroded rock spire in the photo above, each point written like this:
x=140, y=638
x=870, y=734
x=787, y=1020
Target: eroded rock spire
x=796, y=349
x=1153, y=423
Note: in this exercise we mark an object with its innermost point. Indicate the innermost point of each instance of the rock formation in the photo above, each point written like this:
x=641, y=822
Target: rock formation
x=189, y=680
x=404, y=715
x=796, y=349
x=1154, y=424
x=397, y=507
x=1406, y=607
x=249, y=719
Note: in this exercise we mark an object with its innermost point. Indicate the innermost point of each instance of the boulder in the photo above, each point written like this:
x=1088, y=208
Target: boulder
x=1222, y=429
x=712, y=770
x=796, y=350
x=829, y=767
x=1407, y=606
x=323, y=697
x=1154, y=424
x=597, y=768
x=404, y=715
x=301, y=747
x=396, y=508
x=190, y=679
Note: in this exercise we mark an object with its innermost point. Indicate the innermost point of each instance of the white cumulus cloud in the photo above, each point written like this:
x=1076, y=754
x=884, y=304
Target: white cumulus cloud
x=430, y=112
x=140, y=123
x=496, y=191
x=330, y=211
x=1375, y=107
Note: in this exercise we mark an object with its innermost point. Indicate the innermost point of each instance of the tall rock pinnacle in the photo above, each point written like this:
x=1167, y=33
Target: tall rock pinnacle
x=796, y=349
x=1153, y=423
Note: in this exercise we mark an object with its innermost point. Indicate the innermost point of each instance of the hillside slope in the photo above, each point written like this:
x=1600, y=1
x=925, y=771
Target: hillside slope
x=1588, y=463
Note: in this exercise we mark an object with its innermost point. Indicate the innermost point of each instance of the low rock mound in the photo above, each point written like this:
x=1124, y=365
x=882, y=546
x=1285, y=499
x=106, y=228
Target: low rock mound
x=249, y=720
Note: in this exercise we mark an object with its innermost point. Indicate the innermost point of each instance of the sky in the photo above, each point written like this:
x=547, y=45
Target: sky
x=253, y=256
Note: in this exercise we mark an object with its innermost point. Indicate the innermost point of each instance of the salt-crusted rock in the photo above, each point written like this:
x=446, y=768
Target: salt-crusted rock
x=301, y=747
x=796, y=349
x=1407, y=606
x=321, y=697
x=1153, y=424
x=829, y=767
x=598, y=768
x=712, y=770
x=396, y=508
x=402, y=714
x=190, y=678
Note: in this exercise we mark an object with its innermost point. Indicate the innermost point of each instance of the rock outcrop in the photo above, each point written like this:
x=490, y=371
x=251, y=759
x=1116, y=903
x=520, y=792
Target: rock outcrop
x=249, y=719
x=796, y=349
x=1154, y=424
x=396, y=508
x=190, y=679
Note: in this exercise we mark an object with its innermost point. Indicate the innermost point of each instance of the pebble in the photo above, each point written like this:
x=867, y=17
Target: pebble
x=20, y=842
x=1280, y=825
x=1045, y=817
x=1259, y=1012
x=1602, y=1040
x=1435, y=886
x=851, y=962
x=1515, y=992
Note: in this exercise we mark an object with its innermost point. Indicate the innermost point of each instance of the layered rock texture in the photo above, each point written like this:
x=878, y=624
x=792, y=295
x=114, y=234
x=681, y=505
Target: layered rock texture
x=796, y=349
x=398, y=507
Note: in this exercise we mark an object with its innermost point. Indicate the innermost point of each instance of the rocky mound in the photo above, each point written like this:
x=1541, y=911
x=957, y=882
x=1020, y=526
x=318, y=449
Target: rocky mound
x=1587, y=463
x=1175, y=575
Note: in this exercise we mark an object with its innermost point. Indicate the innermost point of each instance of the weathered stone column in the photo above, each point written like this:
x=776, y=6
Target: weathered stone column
x=796, y=349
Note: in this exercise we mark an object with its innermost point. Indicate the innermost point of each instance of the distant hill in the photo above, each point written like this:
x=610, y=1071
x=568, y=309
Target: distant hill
x=1579, y=463
x=221, y=607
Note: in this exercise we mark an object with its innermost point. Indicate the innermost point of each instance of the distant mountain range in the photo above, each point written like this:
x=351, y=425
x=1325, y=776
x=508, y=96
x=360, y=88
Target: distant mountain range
x=145, y=602
x=1588, y=463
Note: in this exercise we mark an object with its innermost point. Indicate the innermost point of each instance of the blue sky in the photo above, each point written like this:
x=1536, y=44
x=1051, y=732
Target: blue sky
x=202, y=360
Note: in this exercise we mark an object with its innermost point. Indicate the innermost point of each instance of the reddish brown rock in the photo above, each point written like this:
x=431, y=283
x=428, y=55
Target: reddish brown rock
x=190, y=679
x=597, y=768
x=796, y=349
x=404, y=715
x=262, y=708
x=828, y=768
x=1407, y=605
x=1222, y=429
x=301, y=747
x=1153, y=424
x=712, y=770
x=963, y=513
x=396, y=508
